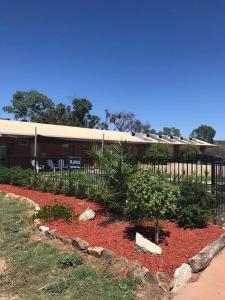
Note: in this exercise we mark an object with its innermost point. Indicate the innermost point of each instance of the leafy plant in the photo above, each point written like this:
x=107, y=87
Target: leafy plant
x=54, y=212
x=194, y=206
x=65, y=261
x=150, y=196
x=117, y=165
x=157, y=152
x=189, y=151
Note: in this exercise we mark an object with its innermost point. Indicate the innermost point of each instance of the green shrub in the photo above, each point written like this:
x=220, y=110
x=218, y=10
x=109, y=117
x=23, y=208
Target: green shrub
x=118, y=166
x=54, y=212
x=4, y=175
x=157, y=152
x=194, y=205
x=16, y=176
x=151, y=196
x=65, y=261
x=188, y=152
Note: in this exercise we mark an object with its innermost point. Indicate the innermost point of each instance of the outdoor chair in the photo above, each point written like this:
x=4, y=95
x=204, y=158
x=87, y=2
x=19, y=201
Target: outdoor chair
x=61, y=164
x=51, y=165
x=36, y=166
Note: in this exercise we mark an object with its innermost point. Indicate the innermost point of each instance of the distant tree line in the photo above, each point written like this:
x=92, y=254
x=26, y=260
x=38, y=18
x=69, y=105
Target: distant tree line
x=36, y=107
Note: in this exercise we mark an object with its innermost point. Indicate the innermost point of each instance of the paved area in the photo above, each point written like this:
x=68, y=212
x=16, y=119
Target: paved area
x=210, y=285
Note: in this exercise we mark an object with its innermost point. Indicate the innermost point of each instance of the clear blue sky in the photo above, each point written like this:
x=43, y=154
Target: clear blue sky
x=163, y=60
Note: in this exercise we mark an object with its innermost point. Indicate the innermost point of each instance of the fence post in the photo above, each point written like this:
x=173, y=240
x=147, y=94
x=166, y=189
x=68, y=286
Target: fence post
x=213, y=175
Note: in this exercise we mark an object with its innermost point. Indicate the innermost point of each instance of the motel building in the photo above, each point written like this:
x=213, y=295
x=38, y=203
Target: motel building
x=21, y=141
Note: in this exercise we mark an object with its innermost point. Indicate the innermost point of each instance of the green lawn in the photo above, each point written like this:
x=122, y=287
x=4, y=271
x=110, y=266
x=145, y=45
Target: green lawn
x=32, y=265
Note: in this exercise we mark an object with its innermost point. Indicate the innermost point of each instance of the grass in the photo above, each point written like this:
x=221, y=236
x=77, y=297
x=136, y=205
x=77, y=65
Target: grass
x=34, y=265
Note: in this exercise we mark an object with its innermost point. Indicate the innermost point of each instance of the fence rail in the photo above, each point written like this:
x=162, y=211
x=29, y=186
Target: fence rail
x=207, y=171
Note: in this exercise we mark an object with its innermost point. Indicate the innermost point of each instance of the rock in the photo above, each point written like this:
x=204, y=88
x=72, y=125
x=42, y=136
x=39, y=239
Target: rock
x=143, y=244
x=80, y=244
x=3, y=266
x=95, y=251
x=108, y=255
x=87, y=214
x=201, y=260
x=65, y=241
x=37, y=223
x=43, y=229
x=10, y=195
x=139, y=270
x=164, y=281
x=181, y=277
x=150, y=277
x=119, y=265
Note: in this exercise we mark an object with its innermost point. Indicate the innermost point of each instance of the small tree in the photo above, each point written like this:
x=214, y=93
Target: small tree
x=118, y=166
x=157, y=151
x=189, y=151
x=151, y=196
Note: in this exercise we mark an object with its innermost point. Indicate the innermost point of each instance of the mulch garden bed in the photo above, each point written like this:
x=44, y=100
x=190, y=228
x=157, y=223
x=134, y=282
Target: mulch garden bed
x=178, y=244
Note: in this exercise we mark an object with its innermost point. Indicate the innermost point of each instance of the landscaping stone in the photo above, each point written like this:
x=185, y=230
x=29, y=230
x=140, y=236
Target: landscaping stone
x=164, y=281
x=80, y=244
x=143, y=244
x=87, y=214
x=43, y=229
x=3, y=266
x=65, y=241
x=37, y=223
x=201, y=260
x=95, y=251
x=119, y=265
x=150, y=277
x=139, y=270
x=181, y=277
x=108, y=255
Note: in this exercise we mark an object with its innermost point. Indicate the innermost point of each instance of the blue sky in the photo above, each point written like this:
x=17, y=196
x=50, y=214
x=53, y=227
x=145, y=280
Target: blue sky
x=163, y=60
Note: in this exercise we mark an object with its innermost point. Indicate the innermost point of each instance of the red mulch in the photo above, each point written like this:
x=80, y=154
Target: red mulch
x=178, y=244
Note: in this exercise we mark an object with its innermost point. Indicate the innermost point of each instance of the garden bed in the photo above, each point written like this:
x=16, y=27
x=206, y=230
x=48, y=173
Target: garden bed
x=178, y=244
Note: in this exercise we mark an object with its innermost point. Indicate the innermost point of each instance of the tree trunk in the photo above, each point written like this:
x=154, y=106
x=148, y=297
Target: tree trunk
x=157, y=231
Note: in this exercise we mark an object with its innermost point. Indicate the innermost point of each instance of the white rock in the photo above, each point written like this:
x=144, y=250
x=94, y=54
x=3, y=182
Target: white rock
x=181, y=277
x=43, y=229
x=143, y=244
x=87, y=214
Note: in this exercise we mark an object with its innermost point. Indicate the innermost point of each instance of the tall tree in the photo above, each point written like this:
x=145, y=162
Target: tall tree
x=28, y=105
x=126, y=121
x=36, y=107
x=204, y=132
x=170, y=131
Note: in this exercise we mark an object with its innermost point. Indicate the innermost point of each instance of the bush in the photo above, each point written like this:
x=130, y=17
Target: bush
x=150, y=196
x=189, y=151
x=194, y=205
x=65, y=261
x=54, y=212
x=157, y=152
x=16, y=176
x=118, y=166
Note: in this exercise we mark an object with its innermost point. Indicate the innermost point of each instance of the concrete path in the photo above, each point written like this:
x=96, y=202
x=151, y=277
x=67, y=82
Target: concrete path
x=210, y=285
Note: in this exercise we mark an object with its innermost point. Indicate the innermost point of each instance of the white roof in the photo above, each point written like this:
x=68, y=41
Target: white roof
x=19, y=128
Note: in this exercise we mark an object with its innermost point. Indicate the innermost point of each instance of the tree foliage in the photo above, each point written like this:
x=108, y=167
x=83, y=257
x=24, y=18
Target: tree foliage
x=118, y=166
x=28, y=105
x=126, y=121
x=189, y=151
x=204, y=132
x=157, y=152
x=36, y=107
x=171, y=131
x=151, y=196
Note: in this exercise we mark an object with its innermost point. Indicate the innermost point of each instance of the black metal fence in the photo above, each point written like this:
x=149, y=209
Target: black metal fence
x=209, y=171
